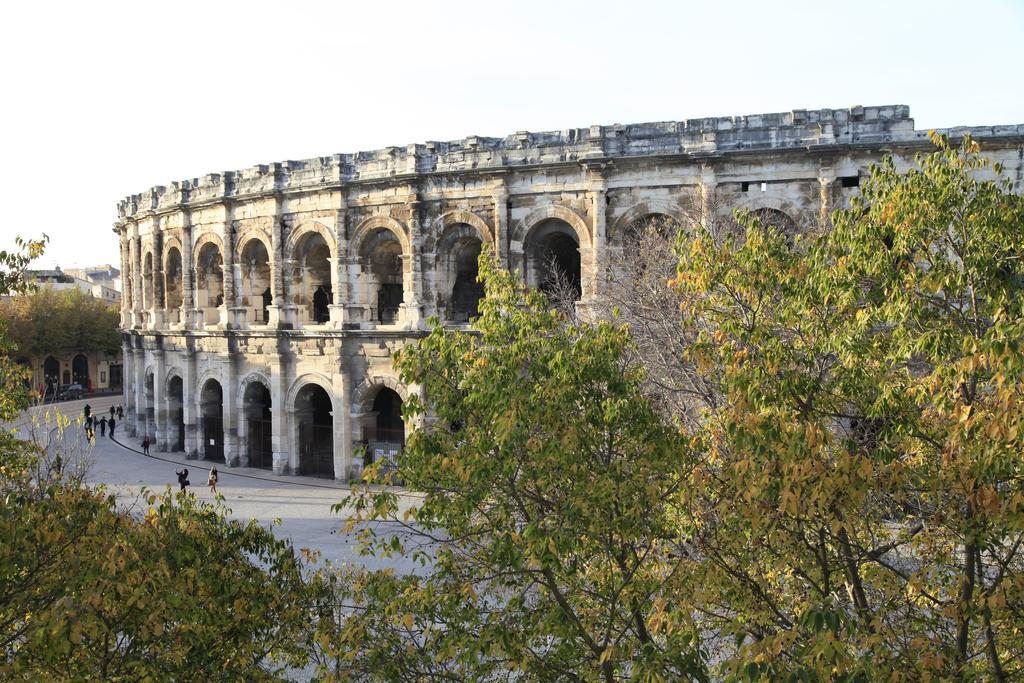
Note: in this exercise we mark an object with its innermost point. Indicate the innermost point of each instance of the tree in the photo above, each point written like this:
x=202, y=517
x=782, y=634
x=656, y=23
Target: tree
x=547, y=521
x=859, y=511
x=60, y=323
x=90, y=590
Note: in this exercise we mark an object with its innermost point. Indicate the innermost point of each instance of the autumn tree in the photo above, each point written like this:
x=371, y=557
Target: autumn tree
x=859, y=513
x=547, y=521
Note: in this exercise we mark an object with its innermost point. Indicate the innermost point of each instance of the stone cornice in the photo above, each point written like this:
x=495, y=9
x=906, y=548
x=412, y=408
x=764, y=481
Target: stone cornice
x=694, y=140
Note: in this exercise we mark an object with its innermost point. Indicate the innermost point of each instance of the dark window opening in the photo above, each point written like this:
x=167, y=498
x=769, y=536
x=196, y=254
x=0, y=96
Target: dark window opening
x=850, y=181
x=321, y=299
x=268, y=299
x=390, y=297
x=561, y=267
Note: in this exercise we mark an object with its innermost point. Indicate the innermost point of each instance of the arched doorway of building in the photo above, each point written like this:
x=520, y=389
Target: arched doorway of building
x=175, y=415
x=80, y=371
x=311, y=284
x=51, y=375
x=385, y=434
x=210, y=282
x=255, y=284
x=314, y=422
x=553, y=262
x=211, y=411
x=256, y=407
x=459, y=259
x=172, y=285
x=382, y=275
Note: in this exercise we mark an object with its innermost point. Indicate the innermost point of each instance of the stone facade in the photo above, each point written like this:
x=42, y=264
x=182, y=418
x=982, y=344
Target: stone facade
x=261, y=307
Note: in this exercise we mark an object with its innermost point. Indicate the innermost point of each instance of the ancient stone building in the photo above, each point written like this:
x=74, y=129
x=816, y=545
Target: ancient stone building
x=261, y=306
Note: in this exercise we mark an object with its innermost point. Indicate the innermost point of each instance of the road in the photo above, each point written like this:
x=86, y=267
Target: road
x=302, y=504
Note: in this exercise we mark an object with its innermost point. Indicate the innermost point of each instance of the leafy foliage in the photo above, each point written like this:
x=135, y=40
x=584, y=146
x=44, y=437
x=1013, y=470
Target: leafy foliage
x=61, y=322
x=859, y=512
x=546, y=520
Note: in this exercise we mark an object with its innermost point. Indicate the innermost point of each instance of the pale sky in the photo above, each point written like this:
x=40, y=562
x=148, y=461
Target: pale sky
x=102, y=100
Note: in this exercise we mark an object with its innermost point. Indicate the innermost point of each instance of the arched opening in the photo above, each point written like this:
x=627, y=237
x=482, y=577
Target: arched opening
x=211, y=412
x=256, y=407
x=383, y=276
x=311, y=282
x=150, y=409
x=646, y=254
x=385, y=433
x=460, y=292
x=553, y=260
x=256, y=296
x=175, y=415
x=172, y=284
x=51, y=375
x=80, y=371
x=147, y=281
x=210, y=282
x=777, y=220
x=315, y=422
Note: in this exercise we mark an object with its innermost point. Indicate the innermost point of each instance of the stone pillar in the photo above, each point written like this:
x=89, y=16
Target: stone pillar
x=598, y=258
x=339, y=267
x=501, y=226
x=156, y=311
x=137, y=283
x=126, y=291
x=188, y=406
x=342, y=422
x=412, y=269
x=706, y=187
x=128, y=390
x=159, y=430
x=189, y=316
x=141, y=426
x=229, y=407
x=280, y=439
x=826, y=180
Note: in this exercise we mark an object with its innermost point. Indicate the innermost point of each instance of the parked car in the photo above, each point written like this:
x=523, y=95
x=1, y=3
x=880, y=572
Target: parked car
x=70, y=393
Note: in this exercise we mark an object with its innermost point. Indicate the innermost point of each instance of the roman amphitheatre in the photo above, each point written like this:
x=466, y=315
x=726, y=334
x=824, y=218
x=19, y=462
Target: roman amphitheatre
x=262, y=306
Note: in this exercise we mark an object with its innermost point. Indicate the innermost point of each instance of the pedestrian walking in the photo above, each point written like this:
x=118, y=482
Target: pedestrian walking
x=211, y=481
x=120, y=412
x=103, y=426
x=87, y=413
x=112, y=411
x=145, y=445
x=111, y=425
x=183, y=478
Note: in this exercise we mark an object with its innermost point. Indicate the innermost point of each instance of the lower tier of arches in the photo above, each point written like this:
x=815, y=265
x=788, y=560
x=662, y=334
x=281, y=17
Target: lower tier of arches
x=311, y=417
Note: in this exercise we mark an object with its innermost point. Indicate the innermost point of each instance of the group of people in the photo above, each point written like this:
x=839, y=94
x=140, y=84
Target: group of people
x=211, y=480
x=104, y=423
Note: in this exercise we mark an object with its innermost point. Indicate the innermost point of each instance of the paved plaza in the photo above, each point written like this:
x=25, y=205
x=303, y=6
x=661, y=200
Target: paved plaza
x=302, y=504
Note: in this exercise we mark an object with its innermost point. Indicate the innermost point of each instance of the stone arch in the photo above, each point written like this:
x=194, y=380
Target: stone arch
x=254, y=291
x=456, y=257
x=643, y=210
x=561, y=212
x=173, y=278
x=784, y=206
x=444, y=223
x=206, y=376
x=204, y=238
x=305, y=228
x=367, y=390
x=382, y=269
x=171, y=374
x=252, y=233
x=320, y=380
x=372, y=224
x=251, y=378
x=148, y=291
